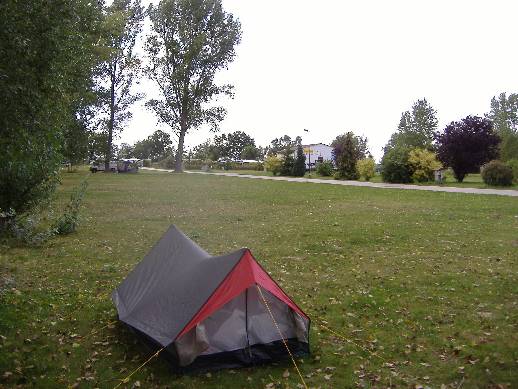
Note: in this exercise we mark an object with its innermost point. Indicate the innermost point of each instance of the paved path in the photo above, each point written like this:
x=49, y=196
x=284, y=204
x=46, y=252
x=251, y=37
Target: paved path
x=430, y=188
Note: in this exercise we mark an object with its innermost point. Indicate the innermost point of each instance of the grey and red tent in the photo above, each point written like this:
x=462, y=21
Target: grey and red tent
x=208, y=311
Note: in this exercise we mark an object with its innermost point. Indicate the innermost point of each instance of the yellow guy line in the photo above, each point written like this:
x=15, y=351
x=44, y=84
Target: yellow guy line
x=347, y=339
x=282, y=337
x=126, y=380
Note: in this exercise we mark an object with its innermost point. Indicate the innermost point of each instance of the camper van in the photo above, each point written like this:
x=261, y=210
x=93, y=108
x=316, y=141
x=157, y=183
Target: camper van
x=99, y=166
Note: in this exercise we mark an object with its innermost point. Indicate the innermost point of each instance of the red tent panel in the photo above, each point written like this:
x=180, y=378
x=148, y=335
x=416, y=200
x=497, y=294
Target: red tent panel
x=245, y=274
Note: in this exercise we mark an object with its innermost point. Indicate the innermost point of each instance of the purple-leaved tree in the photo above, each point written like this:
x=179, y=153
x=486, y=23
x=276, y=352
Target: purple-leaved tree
x=466, y=145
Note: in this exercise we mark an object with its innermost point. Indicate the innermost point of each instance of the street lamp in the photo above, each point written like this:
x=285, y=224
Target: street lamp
x=309, y=155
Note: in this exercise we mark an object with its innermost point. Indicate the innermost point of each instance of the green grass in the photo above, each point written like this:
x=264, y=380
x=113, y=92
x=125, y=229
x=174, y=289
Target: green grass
x=426, y=281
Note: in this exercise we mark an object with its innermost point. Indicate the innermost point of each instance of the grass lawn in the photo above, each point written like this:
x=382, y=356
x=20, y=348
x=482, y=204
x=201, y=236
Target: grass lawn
x=426, y=281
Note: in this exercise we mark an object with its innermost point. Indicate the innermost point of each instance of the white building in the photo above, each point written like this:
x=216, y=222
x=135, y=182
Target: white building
x=316, y=153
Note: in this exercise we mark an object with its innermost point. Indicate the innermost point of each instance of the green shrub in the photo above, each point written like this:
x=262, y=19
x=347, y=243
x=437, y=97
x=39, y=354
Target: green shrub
x=167, y=163
x=423, y=164
x=497, y=173
x=367, y=168
x=273, y=164
x=146, y=163
x=325, y=169
x=241, y=166
x=69, y=221
x=395, y=166
x=513, y=164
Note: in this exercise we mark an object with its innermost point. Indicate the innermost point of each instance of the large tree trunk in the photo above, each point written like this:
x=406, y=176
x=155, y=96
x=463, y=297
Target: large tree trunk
x=111, y=122
x=178, y=163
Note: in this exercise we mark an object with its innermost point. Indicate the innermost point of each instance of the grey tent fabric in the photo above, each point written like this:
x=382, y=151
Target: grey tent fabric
x=171, y=286
x=166, y=289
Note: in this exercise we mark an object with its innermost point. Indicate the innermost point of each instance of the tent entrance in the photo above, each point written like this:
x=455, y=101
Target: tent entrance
x=241, y=327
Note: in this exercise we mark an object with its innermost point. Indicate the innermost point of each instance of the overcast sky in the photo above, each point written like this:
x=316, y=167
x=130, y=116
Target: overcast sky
x=337, y=66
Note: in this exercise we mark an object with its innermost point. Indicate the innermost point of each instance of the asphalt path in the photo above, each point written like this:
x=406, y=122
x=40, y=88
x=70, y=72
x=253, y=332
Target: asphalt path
x=429, y=188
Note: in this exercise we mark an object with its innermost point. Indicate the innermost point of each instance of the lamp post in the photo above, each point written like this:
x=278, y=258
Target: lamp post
x=309, y=155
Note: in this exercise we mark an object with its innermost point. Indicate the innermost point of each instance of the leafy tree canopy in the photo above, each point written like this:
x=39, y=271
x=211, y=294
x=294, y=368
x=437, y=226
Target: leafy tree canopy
x=348, y=149
x=47, y=55
x=416, y=127
x=504, y=114
x=190, y=41
x=467, y=144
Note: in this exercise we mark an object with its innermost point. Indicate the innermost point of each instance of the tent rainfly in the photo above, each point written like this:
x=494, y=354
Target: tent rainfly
x=208, y=312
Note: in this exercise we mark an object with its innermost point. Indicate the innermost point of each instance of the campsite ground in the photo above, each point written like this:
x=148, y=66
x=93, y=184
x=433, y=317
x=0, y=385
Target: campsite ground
x=425, y=285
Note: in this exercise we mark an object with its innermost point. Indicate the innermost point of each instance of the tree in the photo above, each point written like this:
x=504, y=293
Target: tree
x=125, y=151
x=416, y=127
x=299, y=167
x=366, y=168
x=466, y=145
x=423, y=164
x=288, y=162
x=231, y=146
x=157, y=146
x=190, y=41
x=504, y=114
x=116, y=75
x=204, y=151
x=250, y=152
x=347, y=150
x=273, y=164
x=47, y=55
x=279, y=145
x=395, y=166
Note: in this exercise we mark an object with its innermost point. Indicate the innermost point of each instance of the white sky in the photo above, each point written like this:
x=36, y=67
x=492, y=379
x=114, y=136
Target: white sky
x=335, y=66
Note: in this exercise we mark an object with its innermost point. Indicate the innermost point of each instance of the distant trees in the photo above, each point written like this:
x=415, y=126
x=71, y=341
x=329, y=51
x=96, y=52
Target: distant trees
x=116, y=75
x=232, y=145
x=416, y=127
x=279, y=145
x=157, y=146
x=467, y=144
x=348, y=149
x=504, y=115
x=190, y=41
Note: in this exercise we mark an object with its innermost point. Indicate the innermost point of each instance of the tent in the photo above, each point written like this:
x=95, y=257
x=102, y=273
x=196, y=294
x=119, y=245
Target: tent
x=209, y=312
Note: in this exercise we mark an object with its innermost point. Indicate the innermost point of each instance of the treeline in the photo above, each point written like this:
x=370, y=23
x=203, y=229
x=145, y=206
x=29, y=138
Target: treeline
x=67, y=76
x=417, y=149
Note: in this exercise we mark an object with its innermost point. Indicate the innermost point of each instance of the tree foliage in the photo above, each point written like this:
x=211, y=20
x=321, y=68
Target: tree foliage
x=347, y=150
x=504, y=115
x=288, y=162
x=190, y=41
x=47, y=55
x=273, y=164
x=299, y=166
x=497, y=173
x=395, y=166
x=366, y=168
x=279, y=145
x=423, y=164
x=231, y=145
x=157, y=146
x=466, y=145
x=120, y=69
x=416, y=127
